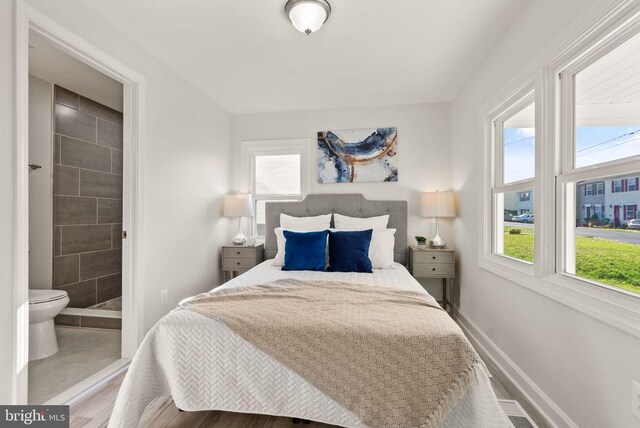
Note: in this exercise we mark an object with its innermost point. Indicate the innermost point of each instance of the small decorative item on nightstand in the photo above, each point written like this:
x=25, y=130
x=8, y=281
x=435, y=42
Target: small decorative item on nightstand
x=236, y=260
x=435, y=263
x=422, y=242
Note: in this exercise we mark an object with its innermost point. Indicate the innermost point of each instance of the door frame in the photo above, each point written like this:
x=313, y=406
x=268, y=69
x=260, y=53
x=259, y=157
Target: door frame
x=29, y=19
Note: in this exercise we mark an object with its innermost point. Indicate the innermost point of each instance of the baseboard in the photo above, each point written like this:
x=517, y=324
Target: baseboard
x=547, y=409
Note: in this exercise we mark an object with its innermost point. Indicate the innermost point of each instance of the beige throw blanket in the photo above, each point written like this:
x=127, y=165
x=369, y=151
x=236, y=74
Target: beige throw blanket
x=391, y=357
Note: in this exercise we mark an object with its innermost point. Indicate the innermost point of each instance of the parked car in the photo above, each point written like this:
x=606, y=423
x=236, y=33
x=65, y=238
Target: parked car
x=518, y=218
x=634, y=224
x=523, y=218
x=508, y=217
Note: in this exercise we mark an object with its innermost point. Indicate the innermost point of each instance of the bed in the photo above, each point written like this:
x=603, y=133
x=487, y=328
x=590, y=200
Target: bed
x=204, y=365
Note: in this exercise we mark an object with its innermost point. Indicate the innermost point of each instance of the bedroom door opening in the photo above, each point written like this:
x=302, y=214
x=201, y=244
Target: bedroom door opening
x=75, y=220
x=77, y=293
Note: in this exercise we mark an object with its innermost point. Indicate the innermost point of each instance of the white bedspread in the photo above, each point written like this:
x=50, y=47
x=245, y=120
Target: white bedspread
x=203, y=365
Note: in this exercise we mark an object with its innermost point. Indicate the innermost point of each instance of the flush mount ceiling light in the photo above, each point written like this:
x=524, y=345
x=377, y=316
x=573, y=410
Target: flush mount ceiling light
x=307, y=16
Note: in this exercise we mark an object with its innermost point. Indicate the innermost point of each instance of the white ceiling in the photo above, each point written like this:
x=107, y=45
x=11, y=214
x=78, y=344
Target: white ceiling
x=246, y=56
x=50, y=64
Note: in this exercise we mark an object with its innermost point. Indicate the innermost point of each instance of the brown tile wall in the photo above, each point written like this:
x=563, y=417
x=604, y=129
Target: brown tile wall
x=85, y=321
x=87, y=209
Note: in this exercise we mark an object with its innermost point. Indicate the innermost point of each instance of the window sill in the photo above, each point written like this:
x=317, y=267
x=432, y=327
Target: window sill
x=618, y=309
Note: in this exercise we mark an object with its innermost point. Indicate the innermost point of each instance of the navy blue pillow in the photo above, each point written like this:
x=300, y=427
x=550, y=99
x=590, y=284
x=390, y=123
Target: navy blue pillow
x=349, y=251
x=305, y=250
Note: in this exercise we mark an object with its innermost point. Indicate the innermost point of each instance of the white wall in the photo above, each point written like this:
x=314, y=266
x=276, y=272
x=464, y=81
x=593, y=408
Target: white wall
x=186, y=174
x=40, y=184
x=423, y=152
x=52, y=65
x=583, y=365
x=7, y=182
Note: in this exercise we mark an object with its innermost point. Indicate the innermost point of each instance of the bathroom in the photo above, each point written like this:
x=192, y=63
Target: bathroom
x=75, y=222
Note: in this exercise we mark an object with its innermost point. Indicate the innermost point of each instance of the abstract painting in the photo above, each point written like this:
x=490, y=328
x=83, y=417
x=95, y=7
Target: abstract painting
x=358, y=155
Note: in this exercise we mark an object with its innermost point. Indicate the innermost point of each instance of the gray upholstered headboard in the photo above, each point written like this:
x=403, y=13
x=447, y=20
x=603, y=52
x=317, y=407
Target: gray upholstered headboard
x=354, y=205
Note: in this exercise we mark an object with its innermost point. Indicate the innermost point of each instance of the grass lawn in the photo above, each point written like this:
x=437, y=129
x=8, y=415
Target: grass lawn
x=610, y=262
x=519, y=246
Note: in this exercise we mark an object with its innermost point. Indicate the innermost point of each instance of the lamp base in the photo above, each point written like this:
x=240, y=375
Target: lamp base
x=239, y=239
x=437, y=242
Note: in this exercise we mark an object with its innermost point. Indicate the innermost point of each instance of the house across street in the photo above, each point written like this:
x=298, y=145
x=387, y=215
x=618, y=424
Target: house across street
x=613, y=200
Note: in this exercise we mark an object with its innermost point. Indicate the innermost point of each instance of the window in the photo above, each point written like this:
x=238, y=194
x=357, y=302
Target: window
x=604, y=130
x=276, y=177
x=525, y=196
x=630, y=212
x=607, y=125
x=599, y=211
x=514, y=142
x=582, y=169
x=616, y=186
x=519, y=145
x=273, y=171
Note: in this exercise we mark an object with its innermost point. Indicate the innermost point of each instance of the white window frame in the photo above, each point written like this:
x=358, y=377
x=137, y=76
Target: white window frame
x=494, y=238
x=606, y=25
x=600, y=188
x=569, y=174
x=631, y=182
x=248, y=152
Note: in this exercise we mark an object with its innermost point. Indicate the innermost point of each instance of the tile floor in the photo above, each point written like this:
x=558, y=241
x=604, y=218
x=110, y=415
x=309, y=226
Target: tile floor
x=83, y=352
x=114, y=304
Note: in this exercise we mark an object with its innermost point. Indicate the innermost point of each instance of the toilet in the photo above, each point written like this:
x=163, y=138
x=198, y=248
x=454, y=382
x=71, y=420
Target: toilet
x=44, y=305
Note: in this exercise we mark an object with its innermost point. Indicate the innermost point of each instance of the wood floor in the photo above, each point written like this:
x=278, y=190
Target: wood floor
x=94, y=411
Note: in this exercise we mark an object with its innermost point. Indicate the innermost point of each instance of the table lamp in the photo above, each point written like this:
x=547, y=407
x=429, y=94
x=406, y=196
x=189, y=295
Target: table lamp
x=238, y=206
x=437, y=204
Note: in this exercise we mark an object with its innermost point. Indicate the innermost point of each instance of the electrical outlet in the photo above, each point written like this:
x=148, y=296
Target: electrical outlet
x=635, y=398
x=164, y=296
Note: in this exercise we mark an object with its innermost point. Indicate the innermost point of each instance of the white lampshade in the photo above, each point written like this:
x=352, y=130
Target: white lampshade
x=307, y=16
x=238, y=206
x=437, y=204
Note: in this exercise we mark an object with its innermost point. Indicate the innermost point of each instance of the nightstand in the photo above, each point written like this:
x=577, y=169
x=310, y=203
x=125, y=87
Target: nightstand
x=237, y=259
x=435, y=263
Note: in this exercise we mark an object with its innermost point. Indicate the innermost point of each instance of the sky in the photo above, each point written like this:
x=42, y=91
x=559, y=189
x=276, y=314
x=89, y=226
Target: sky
x=519, y=154
x=594, y=144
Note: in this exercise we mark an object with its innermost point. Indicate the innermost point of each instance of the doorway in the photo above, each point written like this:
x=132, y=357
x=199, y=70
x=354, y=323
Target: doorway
x=118, y=271
x=75, y=220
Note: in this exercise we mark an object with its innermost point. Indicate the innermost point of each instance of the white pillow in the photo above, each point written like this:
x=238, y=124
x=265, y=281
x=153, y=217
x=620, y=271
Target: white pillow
x=383, y=242
x=343, y=222
x=305, y=224
x=381, y=248
x=297, y=224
